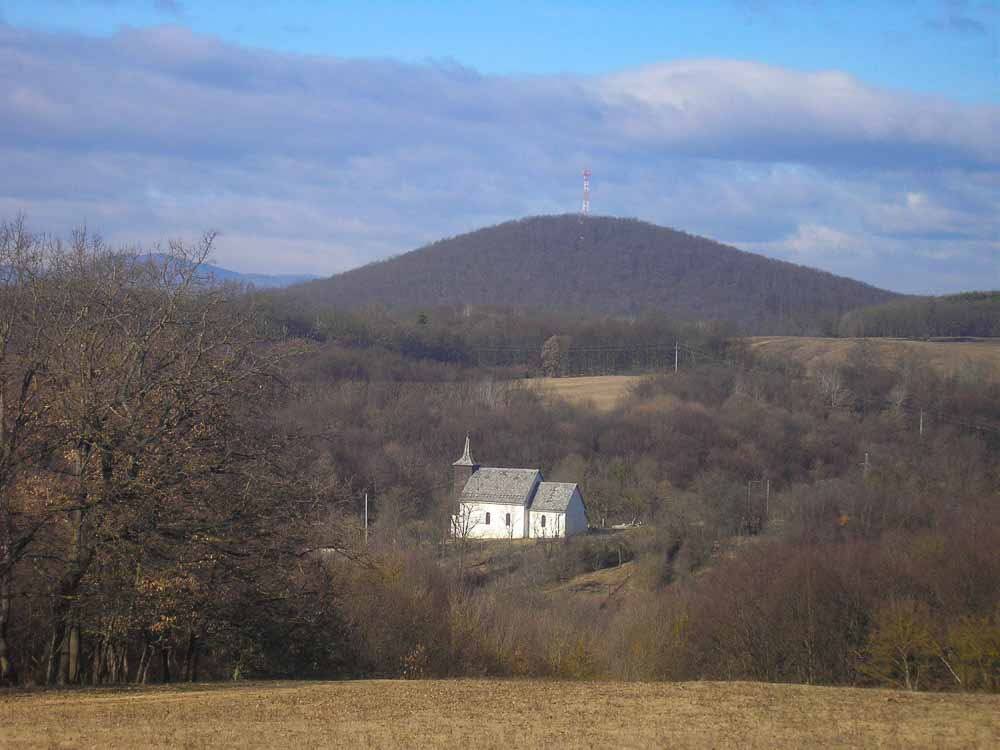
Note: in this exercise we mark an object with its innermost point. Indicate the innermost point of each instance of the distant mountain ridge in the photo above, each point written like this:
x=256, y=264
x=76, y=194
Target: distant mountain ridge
x=219, y=275
x=600, y=265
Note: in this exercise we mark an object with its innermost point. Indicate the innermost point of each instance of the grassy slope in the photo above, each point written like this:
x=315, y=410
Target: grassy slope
x=947, y=357
x=498, y=714
x=603, y=392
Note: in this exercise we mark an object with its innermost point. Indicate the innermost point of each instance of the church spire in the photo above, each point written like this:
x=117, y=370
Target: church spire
x=466, y=459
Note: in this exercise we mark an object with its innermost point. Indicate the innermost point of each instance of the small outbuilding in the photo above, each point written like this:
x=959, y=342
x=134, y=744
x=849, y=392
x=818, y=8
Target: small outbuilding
x=501, y=503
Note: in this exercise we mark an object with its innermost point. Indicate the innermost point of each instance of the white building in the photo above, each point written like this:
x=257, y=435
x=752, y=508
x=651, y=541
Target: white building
x=496, y=503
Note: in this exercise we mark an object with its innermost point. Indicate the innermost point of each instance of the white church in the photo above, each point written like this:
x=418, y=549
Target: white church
x=495, y=503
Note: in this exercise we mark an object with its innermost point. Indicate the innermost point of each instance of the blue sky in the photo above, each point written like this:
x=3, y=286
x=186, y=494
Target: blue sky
x=928, y=46
x=859, y=137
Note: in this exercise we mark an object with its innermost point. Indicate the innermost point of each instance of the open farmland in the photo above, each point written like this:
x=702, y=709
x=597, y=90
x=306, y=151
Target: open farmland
x=501, y=714
x=603, y=392
x=944, y=356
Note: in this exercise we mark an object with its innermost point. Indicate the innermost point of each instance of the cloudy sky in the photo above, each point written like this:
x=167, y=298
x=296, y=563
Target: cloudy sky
x=862, y=138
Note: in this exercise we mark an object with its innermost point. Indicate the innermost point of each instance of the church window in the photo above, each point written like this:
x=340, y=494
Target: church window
x=487, y=519
x=508, y=519
x=543, y=522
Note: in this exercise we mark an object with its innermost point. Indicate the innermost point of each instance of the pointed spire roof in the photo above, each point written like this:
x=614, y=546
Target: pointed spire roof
x=466, y=459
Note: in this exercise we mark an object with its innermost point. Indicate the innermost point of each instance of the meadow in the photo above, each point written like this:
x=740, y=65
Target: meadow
x=946, y=357
x=602, y=392
x=497, y=714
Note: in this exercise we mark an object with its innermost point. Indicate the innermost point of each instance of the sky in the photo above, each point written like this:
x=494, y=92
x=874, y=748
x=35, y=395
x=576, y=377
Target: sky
x=862, y=138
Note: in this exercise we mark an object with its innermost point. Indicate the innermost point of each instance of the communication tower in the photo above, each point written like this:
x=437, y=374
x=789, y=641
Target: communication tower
x=585, y=209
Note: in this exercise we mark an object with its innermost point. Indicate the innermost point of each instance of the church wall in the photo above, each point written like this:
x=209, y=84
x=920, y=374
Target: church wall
x=471, y=522
x=555, y=524
x=576, y=515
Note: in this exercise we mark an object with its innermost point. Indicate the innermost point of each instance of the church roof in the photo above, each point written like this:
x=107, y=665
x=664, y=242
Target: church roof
x=553, y=496
x=504, y=486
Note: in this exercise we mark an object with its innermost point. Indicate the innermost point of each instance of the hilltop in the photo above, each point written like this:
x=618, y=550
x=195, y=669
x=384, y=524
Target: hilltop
x=601, y=265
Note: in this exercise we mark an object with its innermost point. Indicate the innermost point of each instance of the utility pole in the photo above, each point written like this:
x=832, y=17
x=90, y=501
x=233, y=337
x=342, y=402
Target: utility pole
x=676, y=355
x=585, y=207
x=866, y=465
x=921, y=423
x=366, y=518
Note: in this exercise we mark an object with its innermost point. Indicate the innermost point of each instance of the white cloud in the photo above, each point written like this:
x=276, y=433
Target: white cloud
x=317, y=164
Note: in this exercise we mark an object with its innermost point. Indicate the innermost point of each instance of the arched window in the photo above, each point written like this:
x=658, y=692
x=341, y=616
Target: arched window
x=543, y=522
x=487, y=519
x=508, y=519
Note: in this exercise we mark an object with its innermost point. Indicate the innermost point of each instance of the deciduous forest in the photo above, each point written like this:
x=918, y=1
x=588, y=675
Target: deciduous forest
x=183, y=470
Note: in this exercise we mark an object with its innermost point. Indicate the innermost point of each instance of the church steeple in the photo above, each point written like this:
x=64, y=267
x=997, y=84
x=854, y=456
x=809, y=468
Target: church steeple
x=466, y=459
x=462, y=470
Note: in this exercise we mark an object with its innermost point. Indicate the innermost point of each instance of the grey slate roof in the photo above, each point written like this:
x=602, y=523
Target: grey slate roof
x=507, y=486
x=553, y=496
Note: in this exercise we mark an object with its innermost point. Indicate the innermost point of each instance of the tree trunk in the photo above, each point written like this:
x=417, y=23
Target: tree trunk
x=62, y=676
x=143, y=668
x=194, y=660
x=77, y=561
x=8, y=674
x=73, y=653
x=191, y=657
x=55, y=644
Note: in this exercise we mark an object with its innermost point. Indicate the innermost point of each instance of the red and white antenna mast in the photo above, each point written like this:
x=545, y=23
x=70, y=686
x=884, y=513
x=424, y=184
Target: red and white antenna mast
x=585, y=209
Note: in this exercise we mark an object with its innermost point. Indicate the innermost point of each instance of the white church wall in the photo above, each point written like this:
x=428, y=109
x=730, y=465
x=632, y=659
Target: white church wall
x=555, y=524
x=576, y=515
x=489, y=521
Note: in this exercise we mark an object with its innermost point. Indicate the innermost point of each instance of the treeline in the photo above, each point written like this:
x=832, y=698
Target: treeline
x=974, y=314
x=500, y=339
x=149, y=510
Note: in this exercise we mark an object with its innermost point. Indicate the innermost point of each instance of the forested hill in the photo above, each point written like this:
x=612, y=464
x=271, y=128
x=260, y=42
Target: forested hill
x=602, y=265
x=969, y=314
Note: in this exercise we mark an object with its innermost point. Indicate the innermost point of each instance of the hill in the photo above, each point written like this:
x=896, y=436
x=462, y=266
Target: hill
x=602, y=265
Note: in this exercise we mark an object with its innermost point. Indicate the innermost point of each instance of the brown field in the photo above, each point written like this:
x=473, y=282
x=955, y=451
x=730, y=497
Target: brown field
x=484, y=714
x=602, y=391
x=947, y=357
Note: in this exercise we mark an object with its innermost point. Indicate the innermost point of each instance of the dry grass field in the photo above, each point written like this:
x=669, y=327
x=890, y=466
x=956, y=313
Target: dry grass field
x=947, y=357
x=603, y=392
x=497, y=714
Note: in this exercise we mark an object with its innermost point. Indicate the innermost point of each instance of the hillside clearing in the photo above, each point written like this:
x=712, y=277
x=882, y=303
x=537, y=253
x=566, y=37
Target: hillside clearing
x=500, y=714
x=604, y=392
x=946, y=357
